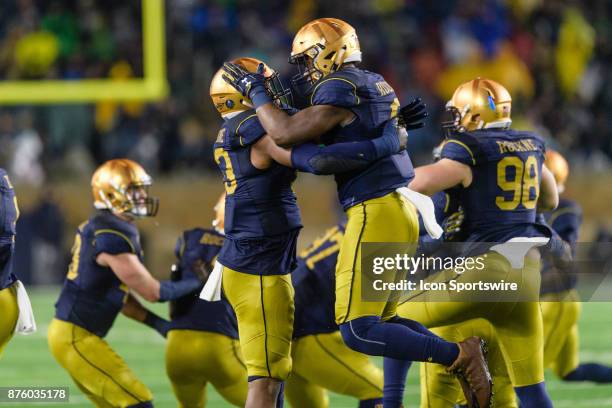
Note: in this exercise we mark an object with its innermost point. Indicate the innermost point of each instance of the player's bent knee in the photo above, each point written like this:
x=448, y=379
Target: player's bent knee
x=355, y=335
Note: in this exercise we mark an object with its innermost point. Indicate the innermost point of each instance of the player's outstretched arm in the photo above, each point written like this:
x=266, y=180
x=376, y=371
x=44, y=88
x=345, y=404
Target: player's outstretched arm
x=549, y=195
x=133, y=309
x=440, y=176
x=337, y=158
x=133, y=273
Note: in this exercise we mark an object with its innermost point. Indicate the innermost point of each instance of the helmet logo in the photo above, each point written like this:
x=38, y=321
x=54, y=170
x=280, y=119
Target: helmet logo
x=491, y=102
x=229, y=103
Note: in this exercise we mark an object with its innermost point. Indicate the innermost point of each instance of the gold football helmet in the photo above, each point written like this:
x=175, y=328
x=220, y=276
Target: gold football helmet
x=557, y=164
x=227, y=99
x=479, y=104
x=219, y=221
x=322, y=46
x=122, y=186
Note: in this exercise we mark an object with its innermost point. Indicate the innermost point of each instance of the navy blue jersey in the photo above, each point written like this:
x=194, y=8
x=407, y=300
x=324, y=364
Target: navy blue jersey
x=373, y=102
x=261, y=213
x=314, y=283
x=565, y=220
x=92, y=295
x=196, y=248
x=446, y=203
x=9, y=212
x=500, y=203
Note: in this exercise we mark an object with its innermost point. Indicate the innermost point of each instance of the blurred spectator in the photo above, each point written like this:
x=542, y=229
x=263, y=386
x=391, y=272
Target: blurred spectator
x=39, y=251
x=554, y=56
x=26, y=166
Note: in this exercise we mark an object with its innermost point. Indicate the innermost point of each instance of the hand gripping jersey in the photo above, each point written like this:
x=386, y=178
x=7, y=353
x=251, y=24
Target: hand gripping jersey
x=190, y=312
x=262, y=218
x=500, y=203
x=373, y=102
x=314, y=284
x=92, y=295
x=9, y=212
x=565, y=220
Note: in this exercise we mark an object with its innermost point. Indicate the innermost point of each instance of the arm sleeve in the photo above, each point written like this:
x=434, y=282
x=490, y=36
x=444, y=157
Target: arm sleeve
x=348, y=156
x=113, y=242
x=337, y=158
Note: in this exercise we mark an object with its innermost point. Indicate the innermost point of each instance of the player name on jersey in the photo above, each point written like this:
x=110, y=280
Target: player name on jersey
x=523, y=145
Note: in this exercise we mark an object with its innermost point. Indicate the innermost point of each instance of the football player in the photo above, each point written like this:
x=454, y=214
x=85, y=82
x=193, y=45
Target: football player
x=503, y=178
x=106, y=265
x=10, y=288
x=202, y=342
x=262, y=225
x=560, y=302
x=356, y=104
x=321, y=360
x=439, y=388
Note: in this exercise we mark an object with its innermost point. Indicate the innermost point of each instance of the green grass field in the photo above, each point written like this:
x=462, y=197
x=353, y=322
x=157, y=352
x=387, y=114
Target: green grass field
x=27, y=361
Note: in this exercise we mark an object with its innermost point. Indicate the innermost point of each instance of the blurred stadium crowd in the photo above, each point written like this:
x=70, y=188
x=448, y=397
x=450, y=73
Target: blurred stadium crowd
x=553, y=55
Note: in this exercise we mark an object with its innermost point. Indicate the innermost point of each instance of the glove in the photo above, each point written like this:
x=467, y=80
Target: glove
x=169, y=290
x=411, y=116
x=452, y=225
x=249, y=84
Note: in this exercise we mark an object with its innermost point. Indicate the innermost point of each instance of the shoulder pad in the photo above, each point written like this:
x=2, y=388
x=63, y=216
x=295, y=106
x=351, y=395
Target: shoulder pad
x=114, y=235
x=461, y=147
x=338, y=89
x=242, y=130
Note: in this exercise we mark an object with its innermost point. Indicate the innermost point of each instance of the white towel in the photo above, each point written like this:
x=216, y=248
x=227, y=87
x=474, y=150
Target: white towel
x=425, y=207
x=212, y=289
x=25, y=323
x=515, y=249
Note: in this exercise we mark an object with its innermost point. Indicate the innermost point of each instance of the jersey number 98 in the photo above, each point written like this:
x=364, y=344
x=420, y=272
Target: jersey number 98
x=525, y=179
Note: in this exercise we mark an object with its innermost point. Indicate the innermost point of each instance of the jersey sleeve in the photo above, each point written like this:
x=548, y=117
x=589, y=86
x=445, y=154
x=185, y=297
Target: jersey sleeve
x=114, y=242
x=246, y=132
x=335, y=91
x=460, y=149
